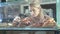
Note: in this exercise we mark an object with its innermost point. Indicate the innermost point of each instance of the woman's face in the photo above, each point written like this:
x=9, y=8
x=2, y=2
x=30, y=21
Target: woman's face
x=34, y=11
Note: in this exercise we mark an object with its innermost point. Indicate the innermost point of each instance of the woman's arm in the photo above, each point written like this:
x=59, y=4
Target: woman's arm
x=24, y=22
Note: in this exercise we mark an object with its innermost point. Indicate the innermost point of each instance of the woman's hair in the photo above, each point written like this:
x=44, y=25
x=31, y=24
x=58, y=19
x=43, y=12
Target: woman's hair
x=40, y=15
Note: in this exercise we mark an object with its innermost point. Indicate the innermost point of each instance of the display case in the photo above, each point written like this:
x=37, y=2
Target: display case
x=11, y=9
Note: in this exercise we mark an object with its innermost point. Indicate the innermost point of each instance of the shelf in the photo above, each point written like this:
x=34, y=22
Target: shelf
x=48, y=3
x=39, y=29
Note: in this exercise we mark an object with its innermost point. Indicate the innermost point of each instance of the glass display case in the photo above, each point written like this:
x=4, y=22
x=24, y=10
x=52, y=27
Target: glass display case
x=10, y=10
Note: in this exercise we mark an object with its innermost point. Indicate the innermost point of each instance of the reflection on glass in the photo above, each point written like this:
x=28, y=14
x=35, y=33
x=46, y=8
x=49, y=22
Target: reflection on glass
x=36, y=18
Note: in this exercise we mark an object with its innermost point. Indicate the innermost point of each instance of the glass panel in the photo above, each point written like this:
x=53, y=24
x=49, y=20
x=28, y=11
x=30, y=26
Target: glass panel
x=23, y=16
x=58, y=13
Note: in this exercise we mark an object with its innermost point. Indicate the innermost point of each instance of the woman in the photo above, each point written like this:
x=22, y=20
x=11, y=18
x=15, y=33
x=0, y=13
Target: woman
x=37, y=18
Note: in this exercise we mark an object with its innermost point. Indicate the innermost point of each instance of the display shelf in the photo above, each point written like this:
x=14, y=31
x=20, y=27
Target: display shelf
x=53, y=2
x=38, y=29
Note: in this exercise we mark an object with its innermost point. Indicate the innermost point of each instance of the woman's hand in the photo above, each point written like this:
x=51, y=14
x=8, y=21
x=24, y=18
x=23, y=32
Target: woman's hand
x=26, y=21
x=49, y=23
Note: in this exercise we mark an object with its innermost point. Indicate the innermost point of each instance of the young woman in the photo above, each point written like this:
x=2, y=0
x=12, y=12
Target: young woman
x=37, y=18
